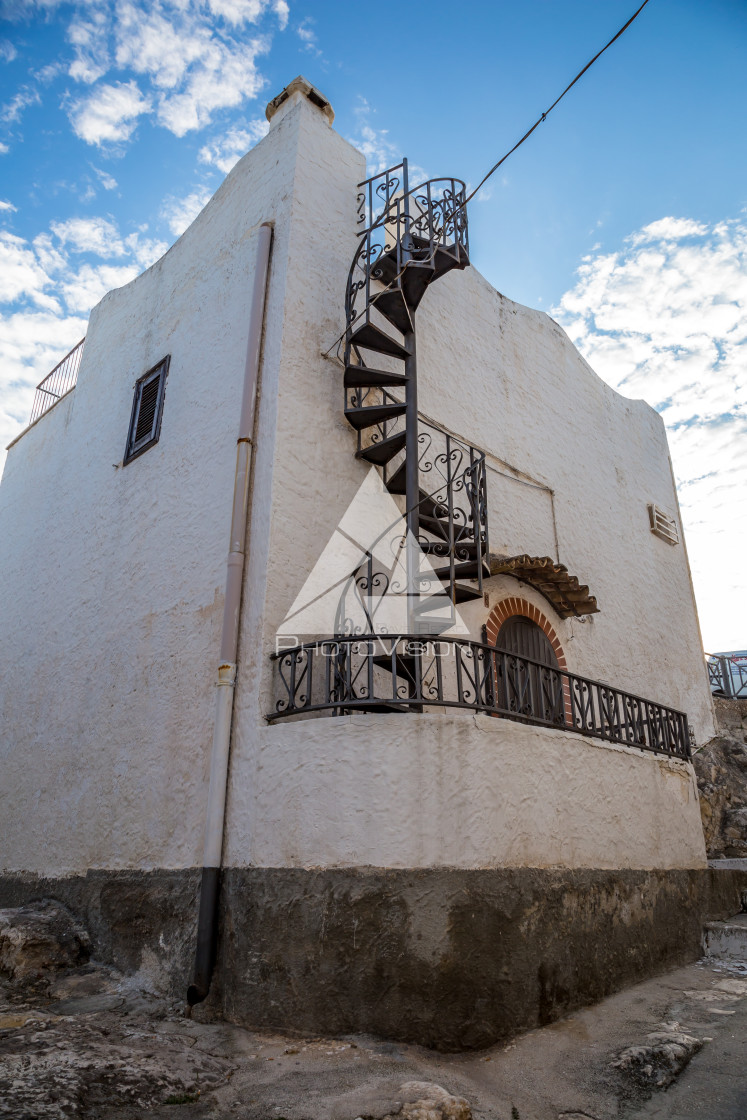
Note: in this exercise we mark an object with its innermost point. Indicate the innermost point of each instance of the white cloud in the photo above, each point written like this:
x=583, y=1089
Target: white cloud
x=109, y=114
x=7, y=206
x=4, y=149
x=226, y=151
x=47, y=289
x=21, y=275
x=88, y=34
x=192, y=58
x=83, y=290
x=90, y=235
x=282, y=11
x=12, y=111
x=224, y=78
x=195, y=70
x=248, y=11
x=179, y=213
x=376, y=146
x=108, y=182
x=145, y=250
x=307, y=36
x=7, y=51
x=665, y=319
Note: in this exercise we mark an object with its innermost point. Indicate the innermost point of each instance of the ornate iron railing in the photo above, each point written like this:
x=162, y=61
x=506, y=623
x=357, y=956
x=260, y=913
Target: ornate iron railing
x=398, y=225
x=726, y=676
x=452, y=476
x=404, y=672
x=57, y=383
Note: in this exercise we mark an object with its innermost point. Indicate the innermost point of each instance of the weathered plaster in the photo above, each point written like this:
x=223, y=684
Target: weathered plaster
x=458, y=791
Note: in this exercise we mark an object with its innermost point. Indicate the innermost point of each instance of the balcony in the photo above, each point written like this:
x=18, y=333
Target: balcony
x=388, y=673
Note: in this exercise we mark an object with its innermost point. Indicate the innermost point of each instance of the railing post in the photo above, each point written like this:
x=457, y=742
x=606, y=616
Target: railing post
x=726, y=682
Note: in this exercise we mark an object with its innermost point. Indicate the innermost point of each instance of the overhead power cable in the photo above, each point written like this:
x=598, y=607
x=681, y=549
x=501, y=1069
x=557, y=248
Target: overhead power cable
x=546, y=113
x=518, y=144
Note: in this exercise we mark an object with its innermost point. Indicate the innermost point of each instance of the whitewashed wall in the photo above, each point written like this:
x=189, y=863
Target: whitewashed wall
x=114, y=578
x=463, y=791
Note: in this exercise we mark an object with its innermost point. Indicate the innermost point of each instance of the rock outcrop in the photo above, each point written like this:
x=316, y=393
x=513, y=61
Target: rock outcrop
x=721, y=769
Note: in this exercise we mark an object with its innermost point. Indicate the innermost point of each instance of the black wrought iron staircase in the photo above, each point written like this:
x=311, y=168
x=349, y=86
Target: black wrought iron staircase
x=409, y=238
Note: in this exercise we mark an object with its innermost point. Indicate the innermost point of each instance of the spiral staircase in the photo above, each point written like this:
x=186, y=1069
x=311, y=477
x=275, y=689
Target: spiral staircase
x=409, y=239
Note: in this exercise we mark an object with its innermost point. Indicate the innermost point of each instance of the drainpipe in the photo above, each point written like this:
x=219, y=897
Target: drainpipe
x=207, y=924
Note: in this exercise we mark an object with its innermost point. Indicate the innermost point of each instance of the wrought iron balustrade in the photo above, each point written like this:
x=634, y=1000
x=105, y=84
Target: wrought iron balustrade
x=399, y=673
x=726, y=676
x=56, y=384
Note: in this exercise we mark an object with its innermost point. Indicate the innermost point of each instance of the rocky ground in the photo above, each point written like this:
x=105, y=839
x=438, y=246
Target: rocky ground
x=78, y=1040
x=721, y=769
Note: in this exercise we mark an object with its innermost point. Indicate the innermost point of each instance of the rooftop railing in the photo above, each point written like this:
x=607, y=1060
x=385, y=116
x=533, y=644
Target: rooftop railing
x=57, y=383
x=388, y=673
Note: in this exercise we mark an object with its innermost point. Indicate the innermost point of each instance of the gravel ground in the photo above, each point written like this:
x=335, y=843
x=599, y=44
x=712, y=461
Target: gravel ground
x=82, y=1042
x=79, y=1041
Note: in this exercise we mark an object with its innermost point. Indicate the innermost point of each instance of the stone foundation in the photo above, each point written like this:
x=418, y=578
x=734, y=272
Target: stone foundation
x=451, y=959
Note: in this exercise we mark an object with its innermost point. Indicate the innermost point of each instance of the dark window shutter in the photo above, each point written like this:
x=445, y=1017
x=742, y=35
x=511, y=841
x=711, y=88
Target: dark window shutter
x=147, y=409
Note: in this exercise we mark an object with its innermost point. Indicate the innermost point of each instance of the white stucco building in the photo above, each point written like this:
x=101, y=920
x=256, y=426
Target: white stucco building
x=364, y=809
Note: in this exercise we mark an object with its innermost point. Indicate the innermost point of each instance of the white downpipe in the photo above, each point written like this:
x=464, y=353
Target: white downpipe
x=226, y=683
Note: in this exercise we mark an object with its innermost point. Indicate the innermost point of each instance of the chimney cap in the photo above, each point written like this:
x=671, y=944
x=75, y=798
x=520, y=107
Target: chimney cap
x=304, y=87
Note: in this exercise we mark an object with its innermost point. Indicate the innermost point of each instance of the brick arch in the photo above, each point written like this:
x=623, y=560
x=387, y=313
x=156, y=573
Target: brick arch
x=514, y=605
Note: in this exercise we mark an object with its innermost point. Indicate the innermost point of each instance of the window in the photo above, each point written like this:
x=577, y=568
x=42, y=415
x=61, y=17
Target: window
x=147, y=408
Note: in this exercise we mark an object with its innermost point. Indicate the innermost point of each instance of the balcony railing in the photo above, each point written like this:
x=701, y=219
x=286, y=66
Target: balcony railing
x=727, y=676
x=57, y=383
x=381, y=673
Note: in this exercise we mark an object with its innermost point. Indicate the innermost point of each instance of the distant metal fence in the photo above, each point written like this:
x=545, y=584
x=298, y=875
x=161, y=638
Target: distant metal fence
x=727, y=676
x=60, y=381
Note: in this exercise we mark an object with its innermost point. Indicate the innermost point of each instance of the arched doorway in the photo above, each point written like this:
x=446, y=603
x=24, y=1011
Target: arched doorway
x=528, y=676
x=521, y=635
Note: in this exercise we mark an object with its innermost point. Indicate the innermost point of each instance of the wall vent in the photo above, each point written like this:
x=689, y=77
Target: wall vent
x=662, y=525
x=147, y=409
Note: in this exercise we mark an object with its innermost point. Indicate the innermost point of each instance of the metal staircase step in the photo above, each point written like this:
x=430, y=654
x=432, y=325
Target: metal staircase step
x=364, y=377
x=438, y=526
x=396, y=484
x=469, y=569
x=366, y=417
x=413, y=282
x=393, y=305
x=371, y=337
x=464, y=593
x=381, y=452
x=404, y=664
x=444, y=257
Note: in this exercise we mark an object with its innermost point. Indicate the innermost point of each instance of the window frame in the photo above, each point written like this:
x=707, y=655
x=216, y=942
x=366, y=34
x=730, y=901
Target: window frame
x=133, y=449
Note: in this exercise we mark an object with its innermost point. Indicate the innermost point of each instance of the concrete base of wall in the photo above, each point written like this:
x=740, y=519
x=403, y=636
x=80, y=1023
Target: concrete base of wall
x=451, y=959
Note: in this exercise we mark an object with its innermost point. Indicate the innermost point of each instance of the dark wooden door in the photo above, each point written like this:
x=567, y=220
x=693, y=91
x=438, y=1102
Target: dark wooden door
x=520, y=635
x=530, y=691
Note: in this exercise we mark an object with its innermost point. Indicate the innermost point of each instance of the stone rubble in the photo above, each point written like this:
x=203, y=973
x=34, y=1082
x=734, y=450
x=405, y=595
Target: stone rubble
x=660, y=1060
x=42, y=935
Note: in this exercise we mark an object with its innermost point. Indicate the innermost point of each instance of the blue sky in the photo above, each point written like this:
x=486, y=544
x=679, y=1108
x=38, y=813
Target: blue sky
x=624, y=215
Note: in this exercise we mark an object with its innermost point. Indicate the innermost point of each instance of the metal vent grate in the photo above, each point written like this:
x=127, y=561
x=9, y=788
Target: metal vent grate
x=662, y=525
x=147, y=408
